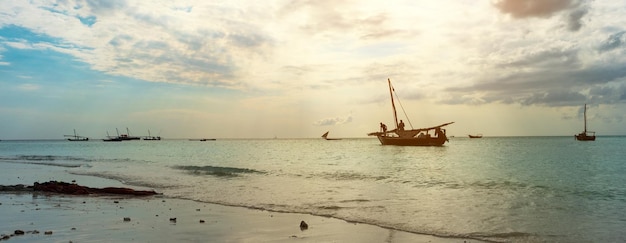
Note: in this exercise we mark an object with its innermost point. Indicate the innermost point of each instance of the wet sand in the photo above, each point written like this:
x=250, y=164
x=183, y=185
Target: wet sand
x=150, y=219
x=90, y=218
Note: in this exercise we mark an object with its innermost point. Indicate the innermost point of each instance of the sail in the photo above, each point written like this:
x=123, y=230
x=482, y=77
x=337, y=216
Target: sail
x=325, y=135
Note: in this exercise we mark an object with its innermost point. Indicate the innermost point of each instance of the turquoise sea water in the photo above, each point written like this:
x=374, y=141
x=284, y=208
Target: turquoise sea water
x=510, y=189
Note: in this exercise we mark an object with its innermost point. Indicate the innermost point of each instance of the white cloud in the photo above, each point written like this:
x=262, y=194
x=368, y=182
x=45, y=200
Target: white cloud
x=29, y=87
x=333, y=121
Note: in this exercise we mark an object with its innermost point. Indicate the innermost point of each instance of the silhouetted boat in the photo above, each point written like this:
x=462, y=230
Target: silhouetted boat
x=75, y=137
x=475, y=136
x=125, y=137
x=586, y=135
x=150, y=137
x=413, y=137
x=111, y=139
x=325, y=136
x=203, y=139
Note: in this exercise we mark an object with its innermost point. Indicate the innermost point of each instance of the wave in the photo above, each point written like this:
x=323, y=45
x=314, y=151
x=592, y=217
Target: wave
x=348, y=176
x=43, y=158
x=502, y=237
x=48, y=160
x=216, y=170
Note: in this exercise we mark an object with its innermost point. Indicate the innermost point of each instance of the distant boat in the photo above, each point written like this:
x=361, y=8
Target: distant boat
x=150, y=137
x=126, y=136
x=75, y=137
x=111, y=139
x=203, y=139
x=413, y=137
x=586, y=135
x=475, y=136
x=325, y=136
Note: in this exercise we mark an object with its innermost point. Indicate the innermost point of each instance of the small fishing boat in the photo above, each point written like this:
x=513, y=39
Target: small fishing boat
x=75, y=137
x=412, y=137
x=475, y=136
x=111, y=138
x=150, y=137
x=586, y=135
x=325, y=136
x=126, y=136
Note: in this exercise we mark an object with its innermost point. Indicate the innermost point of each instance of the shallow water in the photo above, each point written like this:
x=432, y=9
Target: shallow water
x=514, y=189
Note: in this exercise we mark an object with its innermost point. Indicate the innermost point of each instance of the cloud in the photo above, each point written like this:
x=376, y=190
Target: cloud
x=204, y=44
x=533, y=8
x=574, y=10
x=29, y=87
x=614, y=41
x=574, y=18
x=106, y=6
x=328, y=17
x=333, y=121
x=548, y=77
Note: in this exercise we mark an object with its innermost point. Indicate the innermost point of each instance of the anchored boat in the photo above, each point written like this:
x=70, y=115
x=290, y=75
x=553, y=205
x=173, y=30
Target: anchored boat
x=586, y=135
x=75, y=137
x=412, y=137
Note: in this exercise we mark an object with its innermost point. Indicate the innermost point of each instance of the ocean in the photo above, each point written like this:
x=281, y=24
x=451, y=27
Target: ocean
x=504, y=189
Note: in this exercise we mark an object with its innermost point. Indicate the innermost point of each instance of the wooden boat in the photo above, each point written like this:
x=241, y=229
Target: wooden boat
x=475, y=136
x=586, y=135
x=413, y=137
x=325, y=136
x=75, y=137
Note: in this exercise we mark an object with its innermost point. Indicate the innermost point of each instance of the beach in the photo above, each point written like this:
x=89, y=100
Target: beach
x=51, y=217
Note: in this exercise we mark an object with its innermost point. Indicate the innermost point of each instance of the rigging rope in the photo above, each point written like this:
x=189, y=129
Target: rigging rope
x=401, y=107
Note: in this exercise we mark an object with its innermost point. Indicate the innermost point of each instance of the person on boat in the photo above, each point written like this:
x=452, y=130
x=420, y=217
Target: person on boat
x=401, y=126
x=383, y=127
x=440, y=132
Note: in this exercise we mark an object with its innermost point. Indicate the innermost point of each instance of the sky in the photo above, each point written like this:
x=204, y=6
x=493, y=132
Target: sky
x=296, y=69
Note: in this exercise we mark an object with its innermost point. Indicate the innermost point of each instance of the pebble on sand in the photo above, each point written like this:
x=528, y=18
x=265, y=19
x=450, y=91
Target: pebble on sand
x=303, y=225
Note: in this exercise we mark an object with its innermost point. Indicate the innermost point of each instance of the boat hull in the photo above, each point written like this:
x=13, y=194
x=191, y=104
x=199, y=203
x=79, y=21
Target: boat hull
x=585, y=137
x=412, y=141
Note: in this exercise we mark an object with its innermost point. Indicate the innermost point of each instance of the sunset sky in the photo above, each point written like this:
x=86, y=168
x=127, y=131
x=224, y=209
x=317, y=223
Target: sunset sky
x=296, y=69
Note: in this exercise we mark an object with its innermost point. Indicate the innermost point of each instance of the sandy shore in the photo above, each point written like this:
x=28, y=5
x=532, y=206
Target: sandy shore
x=101, y=218
x=91, y=218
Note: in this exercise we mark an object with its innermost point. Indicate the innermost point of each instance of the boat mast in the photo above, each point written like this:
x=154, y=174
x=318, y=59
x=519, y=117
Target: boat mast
x=585, y=115
x=393, y=105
